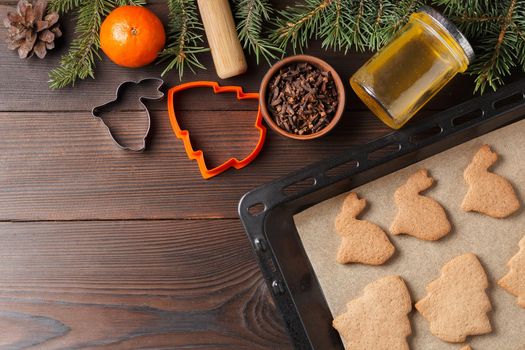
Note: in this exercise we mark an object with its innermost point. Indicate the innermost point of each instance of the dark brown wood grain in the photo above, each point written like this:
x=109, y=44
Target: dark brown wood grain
x=122, y=285
x=64, y=166
x=106, y=249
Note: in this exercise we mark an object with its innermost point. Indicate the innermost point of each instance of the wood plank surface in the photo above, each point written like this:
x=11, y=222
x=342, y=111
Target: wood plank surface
x=124, y=285
x=106, y=249
x=64, y=166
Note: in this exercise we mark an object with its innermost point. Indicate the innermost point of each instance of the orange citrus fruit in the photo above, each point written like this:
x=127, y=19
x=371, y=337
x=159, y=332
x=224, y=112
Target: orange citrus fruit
x=132, y=36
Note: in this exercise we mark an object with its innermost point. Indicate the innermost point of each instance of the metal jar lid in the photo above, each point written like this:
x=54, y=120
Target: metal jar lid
x=452, y=29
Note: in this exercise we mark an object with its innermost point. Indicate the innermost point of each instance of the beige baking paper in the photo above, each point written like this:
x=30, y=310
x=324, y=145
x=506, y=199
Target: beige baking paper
x=495, y=241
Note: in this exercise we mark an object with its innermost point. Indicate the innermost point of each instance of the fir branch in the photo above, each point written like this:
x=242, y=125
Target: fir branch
x=333, y=33
x=520, y=33
x=79, y=61
x=472, y=16
x=399, y=16
x=495, y=27
x=251, y=15
x=185, y=36
x=342, y=24
x=358, y=22
x=63, y=6
x=491, y=71
x=298, y=24
x=377, y=38
x=496, y=30
x=118, y=3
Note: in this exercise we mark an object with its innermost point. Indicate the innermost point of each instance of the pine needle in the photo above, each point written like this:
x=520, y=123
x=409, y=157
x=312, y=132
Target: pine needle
x=185, y=38
x=496, y=29
x=63, y=6
x=251, y=15
x=298, y=24
x=342, y=24
x=79, y=61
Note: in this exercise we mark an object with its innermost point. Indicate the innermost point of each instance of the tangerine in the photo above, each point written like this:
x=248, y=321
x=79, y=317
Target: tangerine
x=132, y=36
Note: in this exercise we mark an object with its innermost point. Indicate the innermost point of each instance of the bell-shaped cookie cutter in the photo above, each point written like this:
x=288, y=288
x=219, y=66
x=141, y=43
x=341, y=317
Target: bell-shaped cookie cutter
x=96, y=111
x=184, y=135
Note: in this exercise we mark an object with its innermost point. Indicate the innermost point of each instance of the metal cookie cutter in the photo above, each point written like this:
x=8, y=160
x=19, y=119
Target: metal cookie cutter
x=184, y=135
x=98, y=110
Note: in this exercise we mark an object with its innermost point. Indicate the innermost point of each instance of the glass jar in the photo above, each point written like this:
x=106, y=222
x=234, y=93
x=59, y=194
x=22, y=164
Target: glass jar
x=404, y=75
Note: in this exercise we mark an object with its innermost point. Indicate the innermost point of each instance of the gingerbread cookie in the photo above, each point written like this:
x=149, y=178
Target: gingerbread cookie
x=418, y=215
x=466, y=348
x=514, y=281
x=378, y=319
x=456, y=304
x=488, y=193
x=362, y=241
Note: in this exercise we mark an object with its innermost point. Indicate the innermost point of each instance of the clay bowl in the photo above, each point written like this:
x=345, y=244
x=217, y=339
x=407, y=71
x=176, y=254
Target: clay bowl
x=314, y=61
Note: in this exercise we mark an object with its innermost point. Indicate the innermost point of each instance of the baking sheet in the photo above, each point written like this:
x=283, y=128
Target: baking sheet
x=419, y=262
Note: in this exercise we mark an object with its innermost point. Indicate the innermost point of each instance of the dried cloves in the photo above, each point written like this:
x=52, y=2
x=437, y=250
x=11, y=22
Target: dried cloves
x=302, y=98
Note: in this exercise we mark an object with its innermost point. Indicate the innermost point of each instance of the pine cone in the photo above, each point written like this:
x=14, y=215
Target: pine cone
x=29, y=31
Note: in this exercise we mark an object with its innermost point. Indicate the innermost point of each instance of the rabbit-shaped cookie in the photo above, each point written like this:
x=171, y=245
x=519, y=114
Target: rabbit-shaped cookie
x=362, y=241
x=488, y=193
x=418, y=215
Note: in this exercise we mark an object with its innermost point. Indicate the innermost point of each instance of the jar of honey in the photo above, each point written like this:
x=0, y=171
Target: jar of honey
x=404, y=75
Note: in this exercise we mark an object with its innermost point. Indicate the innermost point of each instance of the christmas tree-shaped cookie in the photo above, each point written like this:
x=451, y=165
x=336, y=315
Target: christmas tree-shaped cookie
x=378, y=319
x=488, y=193
x=514, y=281
x=456, y=304
x=417, y=215
x=362, y=241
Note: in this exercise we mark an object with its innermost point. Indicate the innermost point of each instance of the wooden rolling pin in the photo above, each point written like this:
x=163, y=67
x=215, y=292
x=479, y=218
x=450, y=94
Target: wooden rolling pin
x=225, y=46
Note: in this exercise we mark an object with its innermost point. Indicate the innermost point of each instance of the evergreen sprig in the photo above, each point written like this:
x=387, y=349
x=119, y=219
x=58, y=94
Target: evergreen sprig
x=79, y=61
x=497, y=30
x=185, y=37
x=251, y=15
x=495, y=27
x=297, y=24
x=342, y=24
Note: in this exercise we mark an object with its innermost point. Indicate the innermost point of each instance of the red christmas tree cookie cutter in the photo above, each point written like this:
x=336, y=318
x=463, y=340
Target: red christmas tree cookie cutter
x=184, y=135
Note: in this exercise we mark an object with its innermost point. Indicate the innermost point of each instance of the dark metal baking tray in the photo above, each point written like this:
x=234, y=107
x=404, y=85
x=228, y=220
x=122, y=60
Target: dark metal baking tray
x=267, y=212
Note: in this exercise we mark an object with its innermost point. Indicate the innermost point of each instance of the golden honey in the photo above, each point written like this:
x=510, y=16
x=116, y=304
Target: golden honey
x=403, y=76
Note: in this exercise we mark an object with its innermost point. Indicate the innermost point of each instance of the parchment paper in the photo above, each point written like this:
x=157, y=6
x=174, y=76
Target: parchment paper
x=419, y=262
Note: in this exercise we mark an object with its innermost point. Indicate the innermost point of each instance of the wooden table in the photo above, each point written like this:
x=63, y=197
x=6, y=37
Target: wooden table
x=107, y=249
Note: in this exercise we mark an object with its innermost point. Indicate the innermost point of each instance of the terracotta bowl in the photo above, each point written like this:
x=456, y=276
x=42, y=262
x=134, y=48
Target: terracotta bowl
x=314, y=61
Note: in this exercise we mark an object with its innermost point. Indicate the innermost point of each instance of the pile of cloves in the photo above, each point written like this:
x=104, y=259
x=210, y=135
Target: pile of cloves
x=302, y=98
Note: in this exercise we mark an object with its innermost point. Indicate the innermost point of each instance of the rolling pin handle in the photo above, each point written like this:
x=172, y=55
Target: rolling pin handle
x=226, y=50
